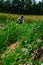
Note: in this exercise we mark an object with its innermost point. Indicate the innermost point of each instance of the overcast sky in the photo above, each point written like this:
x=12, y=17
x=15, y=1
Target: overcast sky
x=38, y=0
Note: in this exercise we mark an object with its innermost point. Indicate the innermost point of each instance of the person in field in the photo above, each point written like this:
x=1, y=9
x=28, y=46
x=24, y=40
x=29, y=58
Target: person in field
x=20, y=20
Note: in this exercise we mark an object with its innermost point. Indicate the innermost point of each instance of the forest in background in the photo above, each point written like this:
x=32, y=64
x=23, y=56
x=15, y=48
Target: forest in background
x=29, y=7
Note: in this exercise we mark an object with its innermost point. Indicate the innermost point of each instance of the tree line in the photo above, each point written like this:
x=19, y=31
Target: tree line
x=22, y=7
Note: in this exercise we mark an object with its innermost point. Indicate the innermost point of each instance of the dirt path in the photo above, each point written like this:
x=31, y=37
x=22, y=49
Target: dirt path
x=12, y=47
x=1, y=26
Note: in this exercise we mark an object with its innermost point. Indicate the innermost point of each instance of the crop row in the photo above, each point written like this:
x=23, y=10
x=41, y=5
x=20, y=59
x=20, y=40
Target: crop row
x=32, y=39
x=27, y=18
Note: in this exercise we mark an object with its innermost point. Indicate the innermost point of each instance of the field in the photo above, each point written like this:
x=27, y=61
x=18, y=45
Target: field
x=26, y=39
x=27, y=18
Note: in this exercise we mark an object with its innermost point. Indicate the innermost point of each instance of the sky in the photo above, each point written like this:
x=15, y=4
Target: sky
x=38, y=0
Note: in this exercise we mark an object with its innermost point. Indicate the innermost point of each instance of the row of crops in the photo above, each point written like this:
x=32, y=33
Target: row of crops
x=13, y=31
x=30, y=49
x=27, y=18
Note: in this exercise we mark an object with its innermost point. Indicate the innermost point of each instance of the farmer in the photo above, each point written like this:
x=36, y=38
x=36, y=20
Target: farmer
x=20, y=20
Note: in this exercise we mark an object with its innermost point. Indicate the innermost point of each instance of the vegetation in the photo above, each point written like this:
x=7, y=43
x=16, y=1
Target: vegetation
x=27, y=18
x=29, y=50
x=26, y=37
x=22, y=7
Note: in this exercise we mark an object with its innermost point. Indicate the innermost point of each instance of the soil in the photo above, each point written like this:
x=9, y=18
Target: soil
x=12, y=46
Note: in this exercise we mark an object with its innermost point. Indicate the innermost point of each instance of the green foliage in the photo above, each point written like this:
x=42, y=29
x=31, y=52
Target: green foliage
x=21, y=7
x=30, y=34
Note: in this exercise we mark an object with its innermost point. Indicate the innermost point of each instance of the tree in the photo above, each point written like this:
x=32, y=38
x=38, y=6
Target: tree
x=34, y=7
x=15, y=6
x=41, y=8
x=22, y=7
x=28, y=6
x=6, y=6
x=19, y=7
x=1, y=5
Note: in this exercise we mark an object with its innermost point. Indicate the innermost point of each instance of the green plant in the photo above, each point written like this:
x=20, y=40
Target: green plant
x=29, y=34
